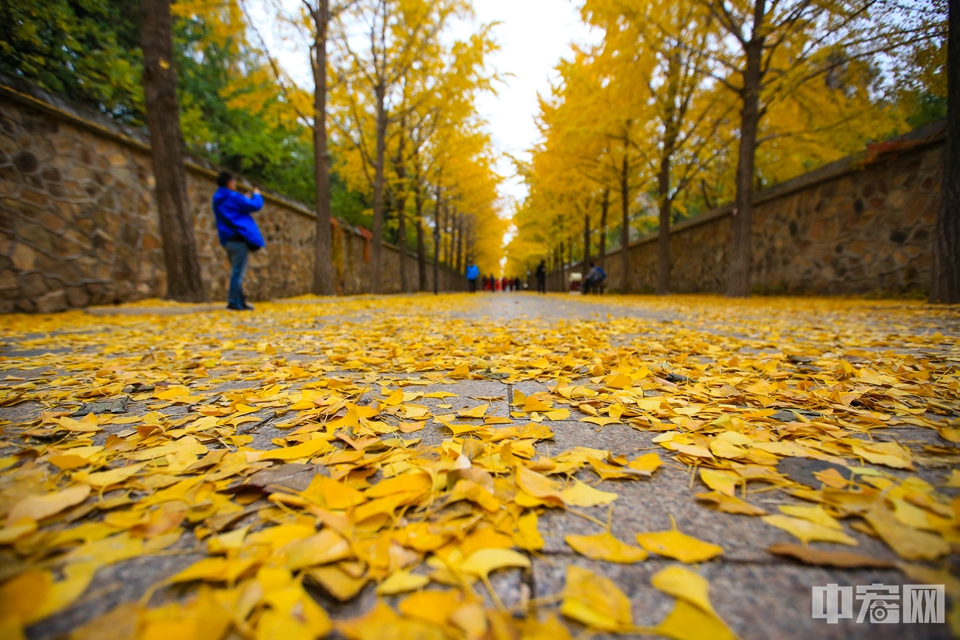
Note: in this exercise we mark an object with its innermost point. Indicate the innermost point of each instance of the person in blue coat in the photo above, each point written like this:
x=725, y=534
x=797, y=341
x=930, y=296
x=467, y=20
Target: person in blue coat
x=238, y=233
x=473, y=272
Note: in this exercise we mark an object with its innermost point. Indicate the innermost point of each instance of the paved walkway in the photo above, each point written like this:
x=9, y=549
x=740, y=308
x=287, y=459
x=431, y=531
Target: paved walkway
x=768, y=416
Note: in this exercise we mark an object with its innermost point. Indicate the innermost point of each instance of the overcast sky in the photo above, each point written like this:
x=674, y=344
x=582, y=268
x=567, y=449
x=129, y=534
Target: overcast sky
x=533, y=35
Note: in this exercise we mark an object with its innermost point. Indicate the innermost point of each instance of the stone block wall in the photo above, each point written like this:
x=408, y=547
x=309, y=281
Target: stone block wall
x=858, y=226
x=78, y=223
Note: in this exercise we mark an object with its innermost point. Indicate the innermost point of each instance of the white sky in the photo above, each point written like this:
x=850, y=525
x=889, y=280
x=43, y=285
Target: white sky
x=533, y=36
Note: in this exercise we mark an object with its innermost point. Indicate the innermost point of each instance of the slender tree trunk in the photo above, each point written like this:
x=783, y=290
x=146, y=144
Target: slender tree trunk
x=378, y=187
x=459, y=243
x=436, y=242
x=448, y=235
x=563, y=270
x=454, y=239
x=663, y=238
x=401, y=171
x=604, y=209
x=402, y=237
x=741, y=226
x=421, y=241
x=945, y=286
x=323, y=272
x=626, y=286
x=184, y=278
x=586, y=242
x=671, y=132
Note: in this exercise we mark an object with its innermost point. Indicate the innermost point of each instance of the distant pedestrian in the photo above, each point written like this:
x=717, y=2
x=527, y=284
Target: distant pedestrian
x=594, y=279
x=473, y=272
x=542, y=277
x=238, y=233
x=516, y=285
x=504, y=284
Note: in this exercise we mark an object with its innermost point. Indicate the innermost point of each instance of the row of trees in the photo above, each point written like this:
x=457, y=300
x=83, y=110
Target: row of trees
x=687, y=105
x=394, y=102
x=387, y=136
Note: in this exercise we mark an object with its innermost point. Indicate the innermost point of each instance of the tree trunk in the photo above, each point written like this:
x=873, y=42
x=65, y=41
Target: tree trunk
x=402, y=237
x=324, y=278
x=625, y=285
x=604, y=208
x=421, y=241
x=563, y=270
x=663, y=237
x=436, y=243
x=460, y=243
x=401, y=171
x=670, y=134
x=454, y=239
x=378, y=187
x=448, y=235
x=741, y=225
x=184, y=278
x=586, y=242
x=945, y=286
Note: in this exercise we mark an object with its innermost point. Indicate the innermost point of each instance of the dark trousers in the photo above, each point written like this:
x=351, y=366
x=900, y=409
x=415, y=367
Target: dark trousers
x=473, y=285
x=541, y=284
x=238, y=252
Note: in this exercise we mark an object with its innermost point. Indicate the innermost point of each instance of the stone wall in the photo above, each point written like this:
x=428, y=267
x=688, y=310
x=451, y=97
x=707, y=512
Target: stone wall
x=78, y=222
x=861, y=225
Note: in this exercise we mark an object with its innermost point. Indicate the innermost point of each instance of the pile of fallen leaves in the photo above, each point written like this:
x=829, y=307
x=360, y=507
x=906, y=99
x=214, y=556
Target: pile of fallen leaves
x=135, y=436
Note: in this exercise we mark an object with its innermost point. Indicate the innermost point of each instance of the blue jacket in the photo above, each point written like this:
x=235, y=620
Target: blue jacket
x=234, y=221
x=473, y=272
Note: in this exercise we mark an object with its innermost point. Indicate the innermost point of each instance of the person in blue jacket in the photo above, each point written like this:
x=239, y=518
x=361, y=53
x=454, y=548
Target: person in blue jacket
x=238, y=233
x=473, y=272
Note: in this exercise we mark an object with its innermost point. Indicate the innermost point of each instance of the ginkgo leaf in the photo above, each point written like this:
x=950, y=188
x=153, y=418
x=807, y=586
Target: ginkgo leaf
x=719, y=480
x=323, y=548
x=595, y=601
x=730, y=504
x=401, y=582
x=337, y=582
x=844, y=559
x=114, y=476
x=907, y=542
x=603, y=546
x=679, y=546
x=648, y=462
x=583, y=495
x=431, y=606
x=11, y=534
x=481, y=563
x=471, y=619
x=475, y=412
x=532, y=403
x=808, y=531
x=684, y=584
x=689, y=622
x=539, y=486
x=815, y=514
x=40, y=507
x=307, y=449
